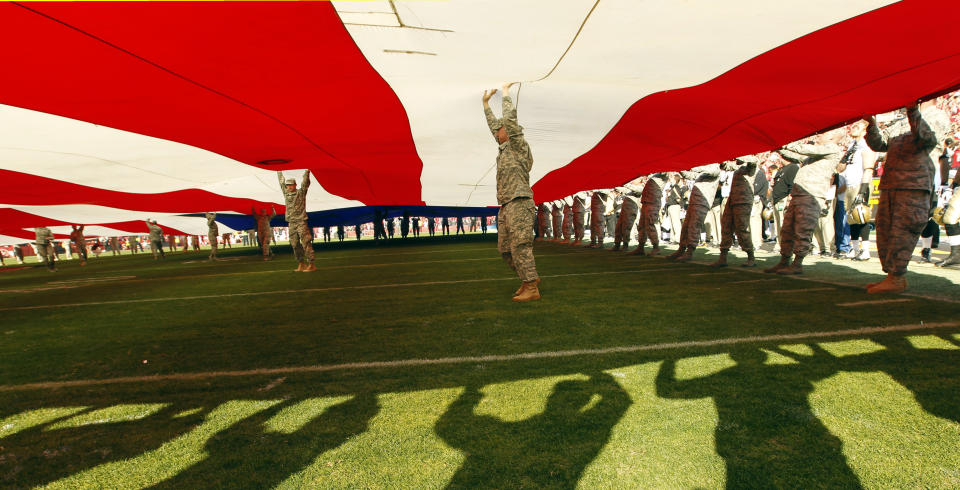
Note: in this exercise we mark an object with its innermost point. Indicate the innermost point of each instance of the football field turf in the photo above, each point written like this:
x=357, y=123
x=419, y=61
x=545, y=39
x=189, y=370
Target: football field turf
x=408, y=366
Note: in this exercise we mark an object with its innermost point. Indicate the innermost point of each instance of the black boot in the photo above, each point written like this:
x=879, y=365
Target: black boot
x=953, y=258
x=925, y=255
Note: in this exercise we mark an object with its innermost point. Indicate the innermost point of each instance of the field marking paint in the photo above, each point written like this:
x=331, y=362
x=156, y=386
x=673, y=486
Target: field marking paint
x=317, y=290
x=749, y=281
x=802, y=290
x=626, y=349
x=92, y=279
x=875, y=302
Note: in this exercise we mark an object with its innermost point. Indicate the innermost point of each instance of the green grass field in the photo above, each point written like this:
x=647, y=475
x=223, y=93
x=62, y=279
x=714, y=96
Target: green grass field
x=407, y=366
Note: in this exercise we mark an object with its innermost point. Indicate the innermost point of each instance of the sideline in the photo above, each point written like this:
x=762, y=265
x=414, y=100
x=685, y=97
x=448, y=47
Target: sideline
x=318, y=290
x=473, y=359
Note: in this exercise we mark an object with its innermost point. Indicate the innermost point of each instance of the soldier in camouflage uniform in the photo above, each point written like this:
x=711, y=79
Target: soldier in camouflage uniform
x=301, y=236
x=556, y=213
x=736, y=214
x=544, y=229
x=213, y=231
x=579, y=216
x=598, y=204
x=264, y=231
x=808, y=196
x=629, y=209
x=156, y=239
x=514, y=195
x=907, y=191
x=45, y=247
x=701, y=200
x=567, y=218
x=76, y=236
x=650, y=203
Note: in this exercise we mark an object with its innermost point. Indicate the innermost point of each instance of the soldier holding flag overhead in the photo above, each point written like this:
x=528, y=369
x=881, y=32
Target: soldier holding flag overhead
x=514, y=195
x=301, y=237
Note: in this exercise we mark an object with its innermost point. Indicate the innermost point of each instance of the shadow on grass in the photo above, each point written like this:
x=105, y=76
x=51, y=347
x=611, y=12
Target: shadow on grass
x=550, y=449
x=767, y=432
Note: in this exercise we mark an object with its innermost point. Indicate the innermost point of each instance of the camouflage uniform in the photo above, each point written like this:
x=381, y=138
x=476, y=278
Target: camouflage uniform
x=301, y=236
x=579, y=213
x=517, y=211
x=650, y=202
x=557, y=216
x=808, y=196
x=906, y=186
x=736, y=214
x=76, y=236
x=156, y=239
x=45, y=246
x=543, y=221
x=628, y=216
x=213, y=231
x=701, y=200
x=567, y=219
x=597, y=223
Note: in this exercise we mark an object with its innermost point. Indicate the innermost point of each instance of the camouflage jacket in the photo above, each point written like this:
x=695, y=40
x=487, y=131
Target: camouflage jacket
x=741, y=186
x=296, y=201
x=707, y=179
x=156, y=233
x=818, y=163
x=44, y=235
x=212, y=228
x=913, y=149
x=652, y=191
x=514, y=160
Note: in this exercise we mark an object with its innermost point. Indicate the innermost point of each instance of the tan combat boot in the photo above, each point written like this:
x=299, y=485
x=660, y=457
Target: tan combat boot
x=677, y=254
x=536, y=282
x=299, y=267
x=722, y=259
x=751, y=260
x=528, y=292
x=892, y=284
x=796, y=268
x=687, y=255
x=309, y=268
x=637, y=251
x=783, y=264
x=654, y=251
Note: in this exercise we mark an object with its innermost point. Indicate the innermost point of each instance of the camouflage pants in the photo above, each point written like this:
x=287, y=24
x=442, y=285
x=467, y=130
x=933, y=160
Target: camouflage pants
x=543, y=224
x=696, y=213
x=82, y=250
x=736, y=220
x=263, y=236
x=213, y=245
x=578, y=222
x=597, y=227
x=901, y=216
x=557, y=223
x=647, y=226
x=48, y=253
x=156, y=247
x=515, y=237
x=567, y=222
x=624, y=227
x=301, y=239
x=799, y=222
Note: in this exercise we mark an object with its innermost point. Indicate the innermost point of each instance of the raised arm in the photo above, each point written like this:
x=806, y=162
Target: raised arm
x=927, y=137
x=510, y=113
x=283, y=186
x=305, y=182
x=492, y=122
x=876, y=139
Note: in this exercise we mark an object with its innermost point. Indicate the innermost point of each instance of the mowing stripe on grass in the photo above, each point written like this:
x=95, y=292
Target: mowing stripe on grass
x=875, y=302
x=317, y=290
x=711, y=273
x=749, y=281
x=802, y=290
x=626, y=349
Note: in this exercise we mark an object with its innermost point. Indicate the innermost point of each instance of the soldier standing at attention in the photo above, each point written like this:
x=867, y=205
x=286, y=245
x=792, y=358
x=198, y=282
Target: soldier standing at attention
x=405, y=224
x=326, y=234
x=808, y=196
x=76, y=236
x=156, y=239
x=556, y=215
x=358, y=231
x=340, y=233
x=459, y=226
x=579, y=216
x=543, y=223
x=301, y=237
x=45, y=247
x=907, y=192
x=598, y=204
x=445, y=226
x=415, y=226
x=517, y=211
x=707, y=178
x=628, y=216
x=736, y=214
x=213, y=232
x=567, y=218
x=264, y=231
x=650, y=203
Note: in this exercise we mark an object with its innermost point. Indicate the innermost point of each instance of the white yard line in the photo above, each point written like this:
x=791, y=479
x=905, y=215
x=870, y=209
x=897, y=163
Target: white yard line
x=487, y=358
x=875, y=302
x=315, y=290
x=803, y=290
